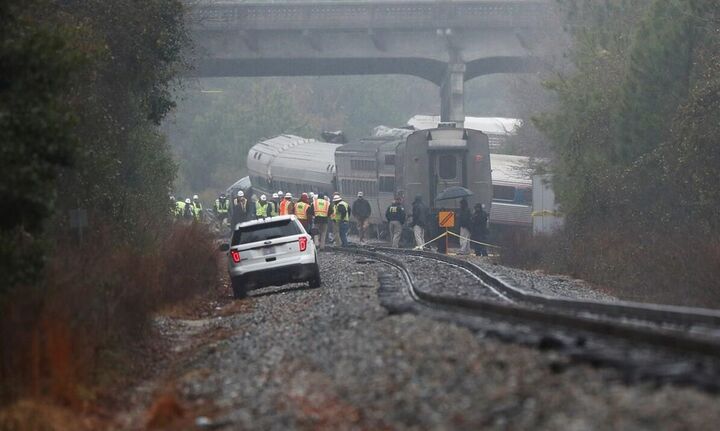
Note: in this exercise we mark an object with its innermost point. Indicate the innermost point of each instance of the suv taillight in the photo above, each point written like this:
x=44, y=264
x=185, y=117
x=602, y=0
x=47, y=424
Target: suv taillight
x=235, y=256
x=303, y=243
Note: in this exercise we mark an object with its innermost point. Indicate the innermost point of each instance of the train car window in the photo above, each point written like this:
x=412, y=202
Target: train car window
x=447, y=166
x=504, y=193
x=387, y=184
x=362, y=165
x=389, y=159
x=524, y=196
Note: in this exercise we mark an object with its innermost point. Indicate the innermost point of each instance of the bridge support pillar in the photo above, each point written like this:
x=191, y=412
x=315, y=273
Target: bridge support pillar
x=452, y=94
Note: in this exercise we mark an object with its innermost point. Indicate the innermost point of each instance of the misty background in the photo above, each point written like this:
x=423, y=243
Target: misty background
x=218, y=120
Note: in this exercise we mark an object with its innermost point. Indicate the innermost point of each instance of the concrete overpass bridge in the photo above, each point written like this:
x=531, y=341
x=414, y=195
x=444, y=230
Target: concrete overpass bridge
x=446, y=42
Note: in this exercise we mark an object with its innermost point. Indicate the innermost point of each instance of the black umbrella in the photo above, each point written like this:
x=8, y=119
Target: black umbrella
x=455, y=192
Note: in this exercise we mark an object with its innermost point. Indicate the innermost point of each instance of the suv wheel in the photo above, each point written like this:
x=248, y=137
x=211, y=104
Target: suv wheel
x=238, y=287
x=315, y=281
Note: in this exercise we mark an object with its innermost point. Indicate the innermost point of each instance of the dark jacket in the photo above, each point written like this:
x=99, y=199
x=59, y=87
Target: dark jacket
x=465, y=218
x=395, y=212
x=479, y=225
x=361, y=209
x=420, y=214
x=239, y=212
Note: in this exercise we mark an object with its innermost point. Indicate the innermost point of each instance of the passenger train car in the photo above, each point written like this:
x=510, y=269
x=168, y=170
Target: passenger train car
x=512, y=202
x=292, y=164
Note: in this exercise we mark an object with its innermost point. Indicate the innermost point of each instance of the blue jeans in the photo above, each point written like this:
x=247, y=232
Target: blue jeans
x=344, y=228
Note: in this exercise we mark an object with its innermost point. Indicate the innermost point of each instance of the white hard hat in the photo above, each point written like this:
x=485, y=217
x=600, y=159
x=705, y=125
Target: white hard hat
x=275, y=195
x=360, y=194
x=188, y=201
x=263, y=198
x=196, y=197
x=337, y=198
x=241, y=193
x=312, y=194
x=288, y=195
x=280, y=193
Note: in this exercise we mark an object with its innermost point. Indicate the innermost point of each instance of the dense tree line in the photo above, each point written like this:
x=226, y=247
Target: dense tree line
x=635, y=138
x=84, y=86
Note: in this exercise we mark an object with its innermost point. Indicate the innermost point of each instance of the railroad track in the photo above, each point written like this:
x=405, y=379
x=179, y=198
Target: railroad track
x=683, y=329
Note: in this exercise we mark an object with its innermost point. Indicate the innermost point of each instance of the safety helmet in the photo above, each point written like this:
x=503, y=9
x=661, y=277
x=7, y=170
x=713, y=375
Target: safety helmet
x=337, y=198
x=304, y=195
x=222, y=196
x=241, y=193
x=196, y=197
x=275, y=195
x=360, y=194
x=288, y=195
x=312, y=195
x=263, y=198
x=188, y=201
x=280, y=193
x=172, y=198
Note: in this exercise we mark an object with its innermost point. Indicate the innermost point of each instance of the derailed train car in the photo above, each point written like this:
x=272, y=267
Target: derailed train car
x=292, y=164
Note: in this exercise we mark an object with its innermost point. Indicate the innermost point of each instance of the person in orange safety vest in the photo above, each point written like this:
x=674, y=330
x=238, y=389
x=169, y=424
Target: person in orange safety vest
x=286, y=205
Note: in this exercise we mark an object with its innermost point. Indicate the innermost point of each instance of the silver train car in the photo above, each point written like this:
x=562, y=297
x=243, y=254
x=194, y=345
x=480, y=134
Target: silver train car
x=369, y=166
x=432, y=160
x=292, y=164
x=512, y=203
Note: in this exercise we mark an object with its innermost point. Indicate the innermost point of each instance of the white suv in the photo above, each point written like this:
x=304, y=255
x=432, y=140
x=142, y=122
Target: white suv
x=271, y=252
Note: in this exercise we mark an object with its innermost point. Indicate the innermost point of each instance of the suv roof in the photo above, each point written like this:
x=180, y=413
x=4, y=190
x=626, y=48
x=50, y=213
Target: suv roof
x=265, y=220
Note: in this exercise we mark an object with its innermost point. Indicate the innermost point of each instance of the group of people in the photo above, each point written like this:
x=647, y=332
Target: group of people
x=329, y=219
x=188, y=209
x=473, y=225
x=320, y=215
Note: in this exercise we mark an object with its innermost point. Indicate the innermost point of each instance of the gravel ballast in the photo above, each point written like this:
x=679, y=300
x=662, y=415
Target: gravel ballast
x=334, y=358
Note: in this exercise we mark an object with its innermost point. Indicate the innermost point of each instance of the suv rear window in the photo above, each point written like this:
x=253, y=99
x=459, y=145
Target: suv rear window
x=265, y=231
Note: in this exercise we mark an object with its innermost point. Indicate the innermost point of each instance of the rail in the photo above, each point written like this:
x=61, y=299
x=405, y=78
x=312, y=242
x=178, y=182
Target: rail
x=640, y=323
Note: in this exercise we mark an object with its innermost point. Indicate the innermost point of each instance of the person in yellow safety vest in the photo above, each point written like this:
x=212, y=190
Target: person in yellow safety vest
x=173, y=206
x=197, y=207
x=341, y=216
x=321, y=209
x=287, y=206
x=273, y=205
x=262, y=208
x=222, y=207
x=304, y=211
x=179, y=208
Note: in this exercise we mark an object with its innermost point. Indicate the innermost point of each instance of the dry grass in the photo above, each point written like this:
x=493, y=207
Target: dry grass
x=39, y=415
x=62, y=340
x=677, y=267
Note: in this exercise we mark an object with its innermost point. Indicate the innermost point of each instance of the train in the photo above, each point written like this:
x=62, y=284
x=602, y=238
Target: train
x=381, y=167
x=421, y=160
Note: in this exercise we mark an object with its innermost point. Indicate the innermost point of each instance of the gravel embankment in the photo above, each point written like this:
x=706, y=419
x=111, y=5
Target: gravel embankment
x=541, y=283
x=333, y=358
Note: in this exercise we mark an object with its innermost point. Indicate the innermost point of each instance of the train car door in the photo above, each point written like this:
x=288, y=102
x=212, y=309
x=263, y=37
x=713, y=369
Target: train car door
x=447, y=169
